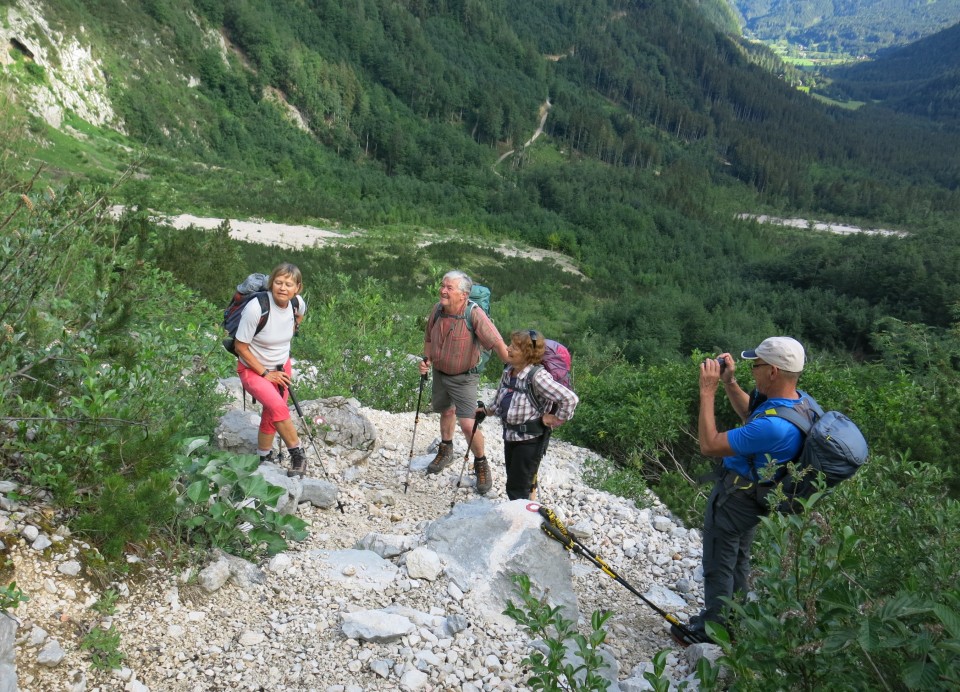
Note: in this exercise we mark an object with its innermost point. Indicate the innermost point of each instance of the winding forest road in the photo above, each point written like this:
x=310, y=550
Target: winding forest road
x=544, y=111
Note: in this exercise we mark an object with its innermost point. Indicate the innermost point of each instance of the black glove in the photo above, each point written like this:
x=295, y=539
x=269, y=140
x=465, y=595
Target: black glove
x=481, y=412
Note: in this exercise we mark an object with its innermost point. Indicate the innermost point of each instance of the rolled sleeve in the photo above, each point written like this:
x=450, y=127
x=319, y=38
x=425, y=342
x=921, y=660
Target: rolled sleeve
x=554, y=392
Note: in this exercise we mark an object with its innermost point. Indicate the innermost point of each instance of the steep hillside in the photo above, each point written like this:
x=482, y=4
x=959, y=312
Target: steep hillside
x=657, y=130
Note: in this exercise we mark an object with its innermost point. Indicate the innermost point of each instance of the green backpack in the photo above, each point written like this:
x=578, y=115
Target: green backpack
x=479, y=297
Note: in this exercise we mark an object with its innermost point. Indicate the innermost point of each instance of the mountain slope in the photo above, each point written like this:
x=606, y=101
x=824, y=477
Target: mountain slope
x=285, y=626
x=851, y=26
x=921, y=79
x=660, y=130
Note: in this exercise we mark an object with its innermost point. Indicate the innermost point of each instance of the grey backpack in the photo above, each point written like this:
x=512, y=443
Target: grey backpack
x=833, y=446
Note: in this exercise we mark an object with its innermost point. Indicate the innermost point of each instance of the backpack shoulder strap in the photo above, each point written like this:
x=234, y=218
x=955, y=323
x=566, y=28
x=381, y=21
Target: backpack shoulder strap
x=788, y=414
x=264, y=300
x=435, y=315
x=295, y=302
x=534, y=399
x=803, y=415
x=468, y=315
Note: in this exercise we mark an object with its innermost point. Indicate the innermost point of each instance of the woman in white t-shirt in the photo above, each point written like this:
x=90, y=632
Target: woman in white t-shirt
x=264, y=362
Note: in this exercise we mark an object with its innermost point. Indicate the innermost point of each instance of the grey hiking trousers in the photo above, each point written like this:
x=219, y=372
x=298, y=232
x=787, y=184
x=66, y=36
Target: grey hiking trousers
x=729, y=525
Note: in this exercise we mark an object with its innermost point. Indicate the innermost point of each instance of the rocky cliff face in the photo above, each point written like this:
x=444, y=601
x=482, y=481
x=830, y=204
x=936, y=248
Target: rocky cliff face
x=73, y=80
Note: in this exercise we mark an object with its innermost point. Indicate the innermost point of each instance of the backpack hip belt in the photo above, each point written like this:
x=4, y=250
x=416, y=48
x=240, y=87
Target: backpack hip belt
x=531, y=427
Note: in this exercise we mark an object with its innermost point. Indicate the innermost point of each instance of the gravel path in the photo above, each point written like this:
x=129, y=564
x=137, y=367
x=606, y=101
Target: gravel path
x=284, y=634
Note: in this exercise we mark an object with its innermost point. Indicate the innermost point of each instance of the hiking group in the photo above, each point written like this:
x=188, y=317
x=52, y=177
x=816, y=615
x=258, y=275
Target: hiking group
x=780, y=423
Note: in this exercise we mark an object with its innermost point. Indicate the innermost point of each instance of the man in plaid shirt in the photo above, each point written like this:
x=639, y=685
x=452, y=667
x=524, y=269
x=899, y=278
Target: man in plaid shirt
x=452, y=351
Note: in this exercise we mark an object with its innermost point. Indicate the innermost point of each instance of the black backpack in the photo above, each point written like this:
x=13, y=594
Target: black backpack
x=254, y=286
x=833, y=446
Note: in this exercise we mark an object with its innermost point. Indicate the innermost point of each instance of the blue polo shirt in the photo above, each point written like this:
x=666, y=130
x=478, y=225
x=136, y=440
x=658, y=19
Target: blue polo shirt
x=762, y=440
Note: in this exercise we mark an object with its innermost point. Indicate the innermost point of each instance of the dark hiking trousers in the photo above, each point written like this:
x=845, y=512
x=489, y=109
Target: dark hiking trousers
x=523, y=462
x=729, y=525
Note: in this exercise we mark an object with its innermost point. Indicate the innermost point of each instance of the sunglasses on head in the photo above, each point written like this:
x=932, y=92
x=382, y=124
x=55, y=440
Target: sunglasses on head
x=533, y=337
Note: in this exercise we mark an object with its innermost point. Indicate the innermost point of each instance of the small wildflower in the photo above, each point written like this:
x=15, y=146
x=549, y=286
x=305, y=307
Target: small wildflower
x=26, y=201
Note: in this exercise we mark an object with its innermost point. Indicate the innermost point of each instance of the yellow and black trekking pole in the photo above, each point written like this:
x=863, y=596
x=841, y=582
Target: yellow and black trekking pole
x=416, y=420
x=555, y=529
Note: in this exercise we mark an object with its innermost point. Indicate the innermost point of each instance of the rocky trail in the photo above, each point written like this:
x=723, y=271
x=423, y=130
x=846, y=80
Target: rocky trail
x=398, y=592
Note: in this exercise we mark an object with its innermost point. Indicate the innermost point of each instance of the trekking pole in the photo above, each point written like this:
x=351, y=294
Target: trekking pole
x=306, y=427
x=476, y=423
x=416, y=419
x=541, y=453
x=558, y=532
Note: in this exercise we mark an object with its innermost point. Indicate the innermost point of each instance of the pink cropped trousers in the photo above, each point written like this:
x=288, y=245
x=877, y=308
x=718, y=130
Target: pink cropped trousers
x=274, y=402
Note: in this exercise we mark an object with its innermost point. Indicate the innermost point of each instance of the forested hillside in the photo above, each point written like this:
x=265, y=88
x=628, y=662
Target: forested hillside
x=921, y=79
x=659, y=131
x=856, y=27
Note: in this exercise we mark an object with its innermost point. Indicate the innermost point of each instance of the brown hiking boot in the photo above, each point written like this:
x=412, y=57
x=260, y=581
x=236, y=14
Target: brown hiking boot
x=298, y=463
x=443, y=459
x=482, y=470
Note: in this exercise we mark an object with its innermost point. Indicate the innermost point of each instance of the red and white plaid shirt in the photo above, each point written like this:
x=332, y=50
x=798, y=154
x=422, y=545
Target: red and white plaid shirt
x=451, y=347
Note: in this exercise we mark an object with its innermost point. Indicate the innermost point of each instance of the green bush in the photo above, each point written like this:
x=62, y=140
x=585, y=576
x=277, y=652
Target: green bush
x=572, y=660
x=858, y=592
x=97, y=382
x=225, y=503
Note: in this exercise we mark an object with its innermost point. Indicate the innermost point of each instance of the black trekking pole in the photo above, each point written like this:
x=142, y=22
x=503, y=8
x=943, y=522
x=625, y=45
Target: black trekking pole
x=541, y=453
x=476, y=423
x=558, y=532
x=416, y=420
x=306, y=427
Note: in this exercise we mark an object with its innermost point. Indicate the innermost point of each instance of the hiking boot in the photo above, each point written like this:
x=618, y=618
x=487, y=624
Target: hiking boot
x=696, y=631
x=443, y=459
x=482, y=470
x=268, y=458
x=298, y=463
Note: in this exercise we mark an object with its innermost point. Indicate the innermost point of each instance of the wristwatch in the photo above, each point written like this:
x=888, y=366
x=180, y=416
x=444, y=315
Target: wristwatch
x=264, y=373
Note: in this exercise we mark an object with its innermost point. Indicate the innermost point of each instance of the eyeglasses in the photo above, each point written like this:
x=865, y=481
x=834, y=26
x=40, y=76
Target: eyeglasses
x=760, y=365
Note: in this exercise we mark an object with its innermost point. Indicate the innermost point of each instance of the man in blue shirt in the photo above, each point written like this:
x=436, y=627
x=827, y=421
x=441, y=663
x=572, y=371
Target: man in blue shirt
x=733, y=509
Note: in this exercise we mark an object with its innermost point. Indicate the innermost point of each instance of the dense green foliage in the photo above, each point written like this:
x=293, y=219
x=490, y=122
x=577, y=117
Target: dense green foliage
x=856, y=27
x=848, y=598
x=95, y=392
x=659, y=131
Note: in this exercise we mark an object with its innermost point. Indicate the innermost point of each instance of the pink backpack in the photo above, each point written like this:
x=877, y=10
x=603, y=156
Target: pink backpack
x=557, y=361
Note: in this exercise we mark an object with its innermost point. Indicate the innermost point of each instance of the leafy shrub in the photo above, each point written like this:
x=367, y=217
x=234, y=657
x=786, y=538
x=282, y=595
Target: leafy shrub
x=553, y=670
x=104, y=647
x=860, y=589
x=226, y=504
x=359, y=342
x=97, y=382
x=11, y=596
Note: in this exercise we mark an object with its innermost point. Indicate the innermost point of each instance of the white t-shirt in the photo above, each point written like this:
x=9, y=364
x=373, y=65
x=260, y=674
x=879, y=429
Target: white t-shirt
x=272, y=345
